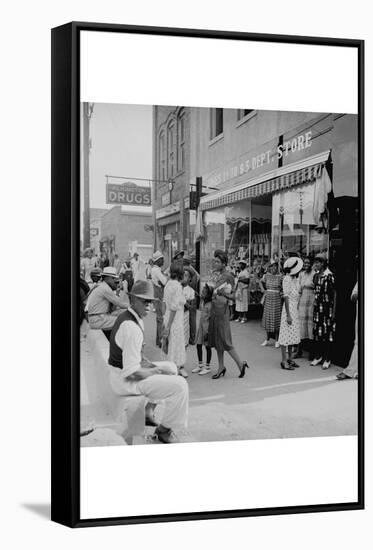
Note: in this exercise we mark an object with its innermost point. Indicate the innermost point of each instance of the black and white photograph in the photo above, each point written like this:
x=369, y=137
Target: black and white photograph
x=215, y=237
x=218, y=276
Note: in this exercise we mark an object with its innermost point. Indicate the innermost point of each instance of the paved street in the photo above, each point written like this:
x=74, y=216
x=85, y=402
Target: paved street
x=268, y=403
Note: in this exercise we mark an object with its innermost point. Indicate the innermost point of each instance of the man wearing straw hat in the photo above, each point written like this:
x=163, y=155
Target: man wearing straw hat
x=157, y=381
x=101, y=301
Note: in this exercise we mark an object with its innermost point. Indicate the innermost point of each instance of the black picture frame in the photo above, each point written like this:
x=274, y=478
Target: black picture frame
x=65, y=490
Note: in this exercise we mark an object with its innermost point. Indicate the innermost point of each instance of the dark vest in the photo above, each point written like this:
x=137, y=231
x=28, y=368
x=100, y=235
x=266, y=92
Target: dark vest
x=116, y=353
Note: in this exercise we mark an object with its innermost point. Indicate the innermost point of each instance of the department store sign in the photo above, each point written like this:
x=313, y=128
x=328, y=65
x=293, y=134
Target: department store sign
x=252, y=163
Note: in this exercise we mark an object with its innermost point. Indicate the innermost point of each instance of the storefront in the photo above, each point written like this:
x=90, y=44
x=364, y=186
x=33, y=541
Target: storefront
x=168, y=230
x=298, y=209
x=269, y=218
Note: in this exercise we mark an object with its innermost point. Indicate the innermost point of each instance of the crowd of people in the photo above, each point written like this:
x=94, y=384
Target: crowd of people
x=298, y=300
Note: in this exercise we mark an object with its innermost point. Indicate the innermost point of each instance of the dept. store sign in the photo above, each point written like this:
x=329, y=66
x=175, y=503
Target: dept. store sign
x=250, y=163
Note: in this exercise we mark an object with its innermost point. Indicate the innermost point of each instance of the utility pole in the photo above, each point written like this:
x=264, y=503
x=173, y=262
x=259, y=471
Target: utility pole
x=198, y=243
x=87, y=113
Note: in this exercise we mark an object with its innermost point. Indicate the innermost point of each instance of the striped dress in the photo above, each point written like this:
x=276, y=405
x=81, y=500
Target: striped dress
x=242, y=292
x=272, y=302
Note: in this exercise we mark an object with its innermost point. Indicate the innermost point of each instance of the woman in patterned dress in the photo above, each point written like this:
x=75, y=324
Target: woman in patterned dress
x=289, y=328
x=272, y=287
x=305, y=308
x=174, y=319
x=323, y=312
x=242, y=293
x=220, y=336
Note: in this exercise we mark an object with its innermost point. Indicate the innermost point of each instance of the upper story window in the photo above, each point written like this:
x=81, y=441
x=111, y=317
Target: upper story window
x=171, y=150
x=242, y=113
x=162, y=157
x=181, y=141
x=216, y=122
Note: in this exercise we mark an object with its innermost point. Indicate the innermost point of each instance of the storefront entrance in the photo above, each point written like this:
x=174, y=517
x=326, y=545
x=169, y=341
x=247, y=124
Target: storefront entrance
x=270, y=227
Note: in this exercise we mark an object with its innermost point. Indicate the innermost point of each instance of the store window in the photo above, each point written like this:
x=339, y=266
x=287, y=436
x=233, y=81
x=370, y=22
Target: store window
x=181, y=141
x=297, y=228
x=216, y=122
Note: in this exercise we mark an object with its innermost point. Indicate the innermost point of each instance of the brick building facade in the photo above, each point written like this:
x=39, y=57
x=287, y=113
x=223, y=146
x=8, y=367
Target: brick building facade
x=124, y=232
x=171, y=170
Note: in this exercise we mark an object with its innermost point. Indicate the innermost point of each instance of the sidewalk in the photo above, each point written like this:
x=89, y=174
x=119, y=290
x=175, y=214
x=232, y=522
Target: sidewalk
x=268, y=402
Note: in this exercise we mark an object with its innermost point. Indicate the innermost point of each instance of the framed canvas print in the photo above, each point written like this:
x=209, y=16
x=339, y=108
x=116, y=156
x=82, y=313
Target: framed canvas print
x=207, y=274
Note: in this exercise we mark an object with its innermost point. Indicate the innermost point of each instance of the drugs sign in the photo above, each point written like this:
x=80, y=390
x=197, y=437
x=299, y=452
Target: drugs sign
x=129, y=194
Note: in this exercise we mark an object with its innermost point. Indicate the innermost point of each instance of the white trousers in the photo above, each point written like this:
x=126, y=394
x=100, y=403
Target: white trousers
x=173, y=390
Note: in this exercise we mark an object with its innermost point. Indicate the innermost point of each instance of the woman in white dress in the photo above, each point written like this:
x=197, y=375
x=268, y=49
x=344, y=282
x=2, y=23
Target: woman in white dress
x=242, y=292
x=289, y=327
x=174, y=319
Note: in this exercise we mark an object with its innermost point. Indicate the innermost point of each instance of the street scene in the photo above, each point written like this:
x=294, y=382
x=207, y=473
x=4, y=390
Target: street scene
x=219, y=275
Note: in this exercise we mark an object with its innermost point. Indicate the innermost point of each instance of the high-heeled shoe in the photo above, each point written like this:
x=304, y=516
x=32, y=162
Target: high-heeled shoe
x=286, y=366
x=242, y=369
x=219, y=374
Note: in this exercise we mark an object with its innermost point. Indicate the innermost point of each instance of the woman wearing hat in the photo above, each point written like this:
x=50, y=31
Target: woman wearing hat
x=242, y=292
x=220, y=336
x=272, y=287
x=289, y=327
x=323, y=312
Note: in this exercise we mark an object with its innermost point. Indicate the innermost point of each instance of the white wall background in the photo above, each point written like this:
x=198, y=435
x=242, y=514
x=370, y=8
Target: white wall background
x=25, y=200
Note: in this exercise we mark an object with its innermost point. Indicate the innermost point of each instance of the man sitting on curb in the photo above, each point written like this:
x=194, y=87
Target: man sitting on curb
x=101, y=301
x=158, y=381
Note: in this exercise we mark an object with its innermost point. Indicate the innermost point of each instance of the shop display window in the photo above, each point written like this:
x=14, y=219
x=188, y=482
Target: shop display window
x=297, y=227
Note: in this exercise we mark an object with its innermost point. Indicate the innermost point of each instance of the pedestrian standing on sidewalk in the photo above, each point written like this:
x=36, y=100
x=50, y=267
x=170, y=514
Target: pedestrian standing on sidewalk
x=117, y=263
x=173, y=331
x=194, y=283
x=272, y=297
x=305, y=309
x=159, y=281
x=323, y=312
x=148, y=269
x=289, y=327
x=351, y=371
x=242, y=292
x=220, y=336
x=189, y=296
x=203, y=332
x=88, y=263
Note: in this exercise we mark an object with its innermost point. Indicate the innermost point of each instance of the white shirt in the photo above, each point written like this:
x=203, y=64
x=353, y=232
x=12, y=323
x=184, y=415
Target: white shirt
x=130, y=338
x=158, y=278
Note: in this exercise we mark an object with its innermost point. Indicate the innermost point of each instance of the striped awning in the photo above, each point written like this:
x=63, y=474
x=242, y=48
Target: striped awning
x=306, y=174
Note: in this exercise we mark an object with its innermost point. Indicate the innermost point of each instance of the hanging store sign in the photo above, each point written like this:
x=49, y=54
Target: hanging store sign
x=166, y=198
x=168, y=210
x=128, y=194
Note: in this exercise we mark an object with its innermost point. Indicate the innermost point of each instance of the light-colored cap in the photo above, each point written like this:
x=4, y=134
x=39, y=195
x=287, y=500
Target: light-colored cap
x=110, y=272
